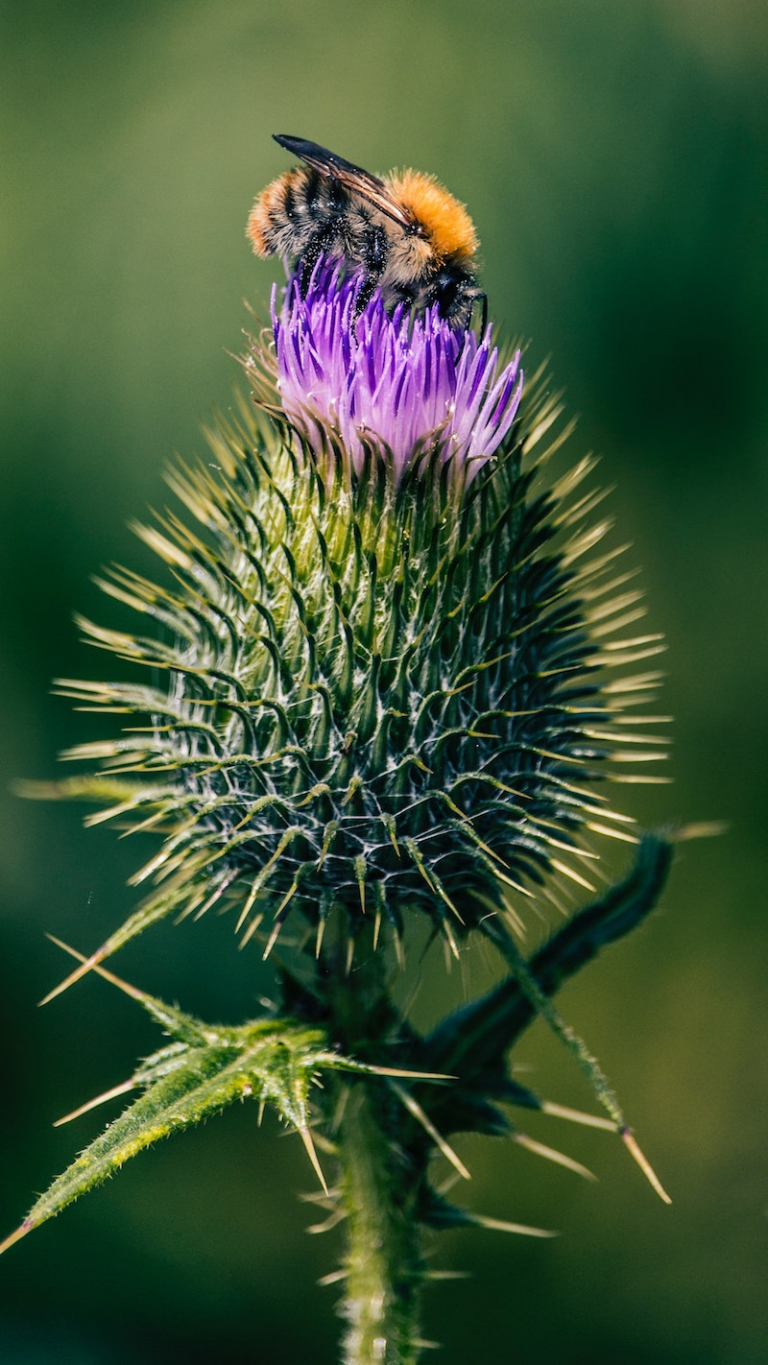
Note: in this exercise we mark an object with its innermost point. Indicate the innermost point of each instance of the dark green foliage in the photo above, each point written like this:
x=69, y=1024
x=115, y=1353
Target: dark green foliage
x=473, y=1043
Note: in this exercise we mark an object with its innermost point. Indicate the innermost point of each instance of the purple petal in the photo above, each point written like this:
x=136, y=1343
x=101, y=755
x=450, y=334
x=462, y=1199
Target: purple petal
x=396, y=382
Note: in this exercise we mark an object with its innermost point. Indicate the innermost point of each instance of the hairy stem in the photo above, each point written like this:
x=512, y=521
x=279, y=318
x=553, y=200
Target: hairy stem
x=379, y=1184
x=383, y=1262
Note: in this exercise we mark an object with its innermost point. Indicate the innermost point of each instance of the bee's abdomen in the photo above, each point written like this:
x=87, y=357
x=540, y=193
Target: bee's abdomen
x=289, y=212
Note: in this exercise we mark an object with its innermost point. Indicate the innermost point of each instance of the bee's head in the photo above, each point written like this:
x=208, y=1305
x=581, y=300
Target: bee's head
x=444, y=221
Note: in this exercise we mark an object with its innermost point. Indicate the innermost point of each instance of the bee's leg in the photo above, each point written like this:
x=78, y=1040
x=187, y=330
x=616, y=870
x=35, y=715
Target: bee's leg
x=374, y=252
x=484, y=318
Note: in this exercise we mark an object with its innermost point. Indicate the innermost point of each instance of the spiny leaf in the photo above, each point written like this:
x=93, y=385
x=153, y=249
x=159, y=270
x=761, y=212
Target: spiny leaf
x=474, y=1040
x=205, y=1069
x=272, y=1062
x=653, y=861
x=437, y=1213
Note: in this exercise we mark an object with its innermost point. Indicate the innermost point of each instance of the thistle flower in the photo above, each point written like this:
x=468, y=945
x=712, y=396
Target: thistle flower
x=400, y=386
x=386, y=660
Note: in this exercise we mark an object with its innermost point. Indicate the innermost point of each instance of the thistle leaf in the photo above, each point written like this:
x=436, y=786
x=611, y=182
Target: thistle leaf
x=473, y=1041
x=202, y=1071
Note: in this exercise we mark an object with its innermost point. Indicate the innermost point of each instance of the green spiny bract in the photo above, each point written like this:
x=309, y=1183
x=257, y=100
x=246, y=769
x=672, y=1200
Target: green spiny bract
x=376, y=695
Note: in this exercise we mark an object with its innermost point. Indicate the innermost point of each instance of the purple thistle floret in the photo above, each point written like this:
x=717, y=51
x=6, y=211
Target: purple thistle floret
x=398, y=384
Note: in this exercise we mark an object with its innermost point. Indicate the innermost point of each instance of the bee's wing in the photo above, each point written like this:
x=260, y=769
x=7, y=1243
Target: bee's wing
x=354, y=178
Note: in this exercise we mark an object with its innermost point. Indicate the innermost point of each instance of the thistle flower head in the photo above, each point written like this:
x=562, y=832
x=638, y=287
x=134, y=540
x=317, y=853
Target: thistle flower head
x=395, y=384
x=386, y=655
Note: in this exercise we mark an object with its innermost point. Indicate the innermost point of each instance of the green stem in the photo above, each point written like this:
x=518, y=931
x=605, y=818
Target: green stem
x=383, y=1262
x=379, y=1188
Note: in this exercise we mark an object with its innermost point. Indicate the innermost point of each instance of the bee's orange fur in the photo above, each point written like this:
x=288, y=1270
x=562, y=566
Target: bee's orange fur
x=447, y=222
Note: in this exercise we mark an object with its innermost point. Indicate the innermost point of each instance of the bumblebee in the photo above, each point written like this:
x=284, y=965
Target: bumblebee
x=406, y=234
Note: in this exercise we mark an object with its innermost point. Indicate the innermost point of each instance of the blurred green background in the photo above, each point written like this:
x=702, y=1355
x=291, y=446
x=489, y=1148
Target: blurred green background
x=614, y=160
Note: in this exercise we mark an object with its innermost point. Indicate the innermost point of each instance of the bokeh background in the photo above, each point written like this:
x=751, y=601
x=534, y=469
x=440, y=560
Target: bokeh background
x=614, y=159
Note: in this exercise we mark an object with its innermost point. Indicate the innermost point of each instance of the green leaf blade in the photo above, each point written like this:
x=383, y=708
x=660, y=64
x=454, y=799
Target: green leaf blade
x=272, y=1061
